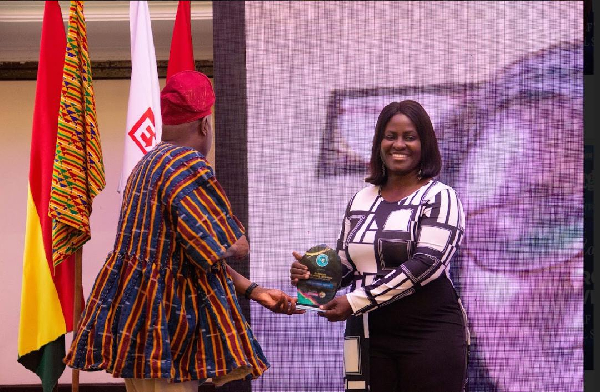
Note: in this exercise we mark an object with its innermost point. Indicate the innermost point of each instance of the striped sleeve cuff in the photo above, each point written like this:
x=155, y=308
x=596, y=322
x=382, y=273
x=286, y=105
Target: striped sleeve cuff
x=359, y=301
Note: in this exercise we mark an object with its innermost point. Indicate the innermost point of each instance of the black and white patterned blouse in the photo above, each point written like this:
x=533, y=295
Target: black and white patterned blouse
x=391, y=249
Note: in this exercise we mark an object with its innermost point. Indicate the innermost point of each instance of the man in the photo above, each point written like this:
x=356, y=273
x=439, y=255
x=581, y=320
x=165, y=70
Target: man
x=163, y=312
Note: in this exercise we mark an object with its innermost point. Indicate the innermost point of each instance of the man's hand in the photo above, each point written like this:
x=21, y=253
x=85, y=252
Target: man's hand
x=338, y=309
x=275, y=300
x=297, y=270
x=239, y=249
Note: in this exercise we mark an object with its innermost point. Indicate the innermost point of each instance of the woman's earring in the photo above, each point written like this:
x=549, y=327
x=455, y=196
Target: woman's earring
x=419, y=175
x=383, y=170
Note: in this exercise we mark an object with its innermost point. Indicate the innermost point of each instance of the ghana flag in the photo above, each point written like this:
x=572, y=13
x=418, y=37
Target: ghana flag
x=47, y=292
x=48, y=287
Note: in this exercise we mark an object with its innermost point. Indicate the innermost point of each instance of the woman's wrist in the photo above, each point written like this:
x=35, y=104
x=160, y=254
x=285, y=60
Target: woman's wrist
x=355, y=304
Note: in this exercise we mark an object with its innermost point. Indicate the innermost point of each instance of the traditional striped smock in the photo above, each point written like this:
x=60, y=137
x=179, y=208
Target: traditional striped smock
x=163, y=304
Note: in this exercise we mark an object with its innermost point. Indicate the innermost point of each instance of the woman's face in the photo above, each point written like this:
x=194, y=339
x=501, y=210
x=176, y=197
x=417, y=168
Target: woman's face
x=400, y=146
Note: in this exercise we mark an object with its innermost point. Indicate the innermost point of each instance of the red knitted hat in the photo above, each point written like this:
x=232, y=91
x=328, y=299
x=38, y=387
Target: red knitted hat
x=187, y=96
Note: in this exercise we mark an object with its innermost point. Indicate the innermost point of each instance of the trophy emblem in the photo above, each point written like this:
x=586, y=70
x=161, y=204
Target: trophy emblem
x=325, y=269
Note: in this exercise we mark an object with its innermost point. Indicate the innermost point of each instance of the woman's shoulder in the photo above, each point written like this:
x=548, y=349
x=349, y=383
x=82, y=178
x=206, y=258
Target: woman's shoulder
x=364, y=198
x=368, y=190
x=436, y=187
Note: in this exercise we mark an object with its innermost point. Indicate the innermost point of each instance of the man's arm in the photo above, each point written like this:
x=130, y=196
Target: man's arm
x=205, y=224
x=275, y=300
x=239, y=249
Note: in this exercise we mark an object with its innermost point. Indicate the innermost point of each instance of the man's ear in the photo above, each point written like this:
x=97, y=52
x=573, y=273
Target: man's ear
x=202, y=127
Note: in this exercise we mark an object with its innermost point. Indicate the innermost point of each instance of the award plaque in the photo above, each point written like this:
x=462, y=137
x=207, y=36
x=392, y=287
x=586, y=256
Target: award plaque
x=325, y=269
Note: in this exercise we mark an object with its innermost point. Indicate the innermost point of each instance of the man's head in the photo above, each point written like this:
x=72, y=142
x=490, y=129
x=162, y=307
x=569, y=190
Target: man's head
x=186, y=102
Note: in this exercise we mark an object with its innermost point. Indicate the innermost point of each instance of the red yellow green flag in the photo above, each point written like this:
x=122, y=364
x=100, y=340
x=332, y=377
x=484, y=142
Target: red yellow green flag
x=47, y=292
x=78, y=174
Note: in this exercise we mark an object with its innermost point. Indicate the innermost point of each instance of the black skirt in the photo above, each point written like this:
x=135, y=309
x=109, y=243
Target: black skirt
x=418, y=342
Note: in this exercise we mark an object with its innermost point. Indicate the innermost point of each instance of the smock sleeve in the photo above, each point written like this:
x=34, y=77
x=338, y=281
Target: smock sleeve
x=205, y=224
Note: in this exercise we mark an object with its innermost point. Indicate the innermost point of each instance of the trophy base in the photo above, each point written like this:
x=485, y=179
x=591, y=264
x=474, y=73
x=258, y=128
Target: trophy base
x=308, y=307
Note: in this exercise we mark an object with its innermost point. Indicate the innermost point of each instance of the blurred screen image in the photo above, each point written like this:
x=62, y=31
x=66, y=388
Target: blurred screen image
x=503, y=83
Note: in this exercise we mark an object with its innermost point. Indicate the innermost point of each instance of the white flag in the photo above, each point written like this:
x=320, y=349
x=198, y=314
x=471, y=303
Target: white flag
x=144, y=123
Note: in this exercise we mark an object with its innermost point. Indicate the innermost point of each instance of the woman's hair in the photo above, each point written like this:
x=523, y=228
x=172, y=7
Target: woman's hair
x=431, y=161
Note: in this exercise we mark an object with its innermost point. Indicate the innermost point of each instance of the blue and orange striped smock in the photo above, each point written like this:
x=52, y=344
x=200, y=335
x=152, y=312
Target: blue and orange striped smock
x=163, y=305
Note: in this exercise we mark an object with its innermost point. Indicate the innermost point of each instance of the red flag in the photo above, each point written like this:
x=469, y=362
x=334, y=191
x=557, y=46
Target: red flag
x=182, y=51
x=47, y=291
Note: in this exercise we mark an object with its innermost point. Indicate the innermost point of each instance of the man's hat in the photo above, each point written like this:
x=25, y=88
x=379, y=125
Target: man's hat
x=187, y=96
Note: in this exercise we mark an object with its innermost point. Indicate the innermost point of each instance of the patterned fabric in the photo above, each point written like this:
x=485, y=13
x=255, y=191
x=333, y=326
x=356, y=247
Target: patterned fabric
x=390, y=250
x=163, y=305
x=78, y=174
x=425, y=229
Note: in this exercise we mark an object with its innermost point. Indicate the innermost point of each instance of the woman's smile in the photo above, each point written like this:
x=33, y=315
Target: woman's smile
x=401, y=146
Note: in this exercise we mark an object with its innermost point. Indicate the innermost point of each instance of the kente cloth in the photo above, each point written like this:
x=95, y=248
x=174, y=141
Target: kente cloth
x=163, y=304
x=78, y=173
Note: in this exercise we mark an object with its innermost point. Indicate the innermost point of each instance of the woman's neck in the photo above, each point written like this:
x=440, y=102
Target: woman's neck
x=398, y=187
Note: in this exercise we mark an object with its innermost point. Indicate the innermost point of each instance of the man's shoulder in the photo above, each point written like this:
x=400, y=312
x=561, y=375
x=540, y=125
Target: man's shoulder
x=168, y=163
x=173, y=151
x=172, y=156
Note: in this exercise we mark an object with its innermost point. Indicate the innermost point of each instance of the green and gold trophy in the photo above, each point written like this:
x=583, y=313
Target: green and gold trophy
x=325, y=269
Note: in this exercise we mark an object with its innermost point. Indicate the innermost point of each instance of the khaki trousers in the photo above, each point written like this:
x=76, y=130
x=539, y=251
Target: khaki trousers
x=159, y=385
x=162, y=385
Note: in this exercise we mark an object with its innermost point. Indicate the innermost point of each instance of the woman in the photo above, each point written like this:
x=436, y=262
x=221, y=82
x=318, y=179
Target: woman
x=397, y=239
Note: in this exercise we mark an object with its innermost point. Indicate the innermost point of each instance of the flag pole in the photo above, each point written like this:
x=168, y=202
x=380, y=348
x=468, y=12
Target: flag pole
x=76, y=311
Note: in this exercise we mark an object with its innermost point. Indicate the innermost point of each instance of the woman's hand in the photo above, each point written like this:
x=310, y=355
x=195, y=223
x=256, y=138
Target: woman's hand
x=298, y=270
x=338, y=309
x=275, y=300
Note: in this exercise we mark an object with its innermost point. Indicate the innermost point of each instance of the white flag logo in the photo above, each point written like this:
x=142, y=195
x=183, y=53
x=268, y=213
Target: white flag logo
x=144, y=123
